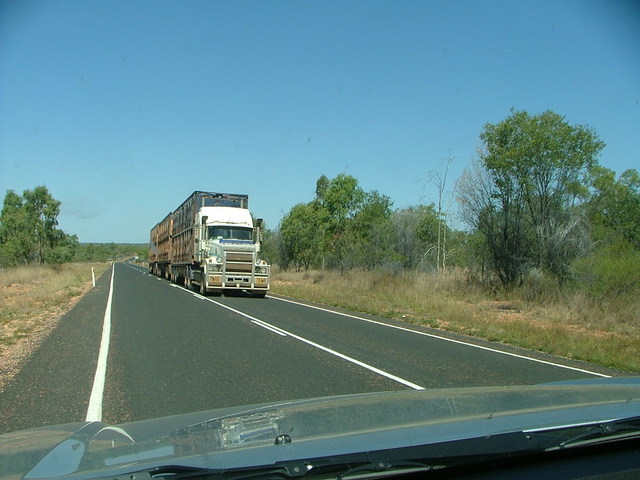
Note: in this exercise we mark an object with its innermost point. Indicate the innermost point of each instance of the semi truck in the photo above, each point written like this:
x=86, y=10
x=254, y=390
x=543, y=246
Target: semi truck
x=210, y=243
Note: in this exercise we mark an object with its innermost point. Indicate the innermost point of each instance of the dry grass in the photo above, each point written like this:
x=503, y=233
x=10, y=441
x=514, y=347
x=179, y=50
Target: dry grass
x=538, y=317
x=32, y=300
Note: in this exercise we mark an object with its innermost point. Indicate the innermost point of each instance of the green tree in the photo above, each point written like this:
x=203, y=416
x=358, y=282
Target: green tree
x=343, y=226
x=497, y=213
x=614, y=208
x=42, y=211
x=407, y=246
x=16, y=240
x=301, y=239
x=543, y=162
x=28, y=227
x=433, y=233
x=337, y=202
x=372, y=233
x=64, y=250
x=610, y=271
x=269, y=246
x=533, y=173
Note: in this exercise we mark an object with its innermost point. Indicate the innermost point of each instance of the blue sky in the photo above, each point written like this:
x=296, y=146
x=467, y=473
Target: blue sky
x=122, y=109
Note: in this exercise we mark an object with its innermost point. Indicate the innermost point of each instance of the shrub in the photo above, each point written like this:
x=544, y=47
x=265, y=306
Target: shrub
x=609, y=272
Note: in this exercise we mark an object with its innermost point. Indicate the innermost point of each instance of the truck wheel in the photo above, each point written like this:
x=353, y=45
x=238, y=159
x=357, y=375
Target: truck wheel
x=258, y=293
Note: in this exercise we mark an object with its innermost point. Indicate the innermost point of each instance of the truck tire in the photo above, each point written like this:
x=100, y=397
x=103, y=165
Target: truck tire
x=258, y=293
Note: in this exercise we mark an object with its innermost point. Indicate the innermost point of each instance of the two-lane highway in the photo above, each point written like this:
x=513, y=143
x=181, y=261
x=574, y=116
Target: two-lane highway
x=172, y=351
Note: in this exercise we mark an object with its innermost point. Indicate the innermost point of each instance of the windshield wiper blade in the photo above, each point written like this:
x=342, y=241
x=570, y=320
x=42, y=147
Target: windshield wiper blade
x=288, y=470
x=183, y=473
x=407, y=466
x=345, y=469
x=179, y=472
x=593, y=433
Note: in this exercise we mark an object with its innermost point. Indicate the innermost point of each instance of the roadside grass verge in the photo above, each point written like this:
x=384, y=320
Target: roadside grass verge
x=538, y=317
x=32, y=300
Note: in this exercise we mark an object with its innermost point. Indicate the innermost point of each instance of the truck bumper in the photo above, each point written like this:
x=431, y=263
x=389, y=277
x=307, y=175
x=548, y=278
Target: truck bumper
x=238, y=281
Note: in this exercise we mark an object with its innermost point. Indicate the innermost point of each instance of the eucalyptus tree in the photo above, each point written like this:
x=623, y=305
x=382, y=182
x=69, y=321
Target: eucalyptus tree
x=524, y=193
x=342, y=226
x=301, y=242
x=28, y=228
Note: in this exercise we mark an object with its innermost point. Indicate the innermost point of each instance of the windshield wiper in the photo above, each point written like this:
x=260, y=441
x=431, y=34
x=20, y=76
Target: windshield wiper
x=286, y=470
x=593, y=433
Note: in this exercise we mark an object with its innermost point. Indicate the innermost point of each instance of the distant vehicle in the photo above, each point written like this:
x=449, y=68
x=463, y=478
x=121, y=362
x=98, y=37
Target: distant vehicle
x=582, y=429
x=210, y=243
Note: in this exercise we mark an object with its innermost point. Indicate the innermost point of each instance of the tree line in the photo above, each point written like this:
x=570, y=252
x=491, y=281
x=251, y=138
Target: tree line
x=345, y=227
x=29, y=234
x=535, y=201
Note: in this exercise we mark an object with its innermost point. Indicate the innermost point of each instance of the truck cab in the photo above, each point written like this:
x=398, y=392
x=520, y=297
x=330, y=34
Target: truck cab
x=228, y=252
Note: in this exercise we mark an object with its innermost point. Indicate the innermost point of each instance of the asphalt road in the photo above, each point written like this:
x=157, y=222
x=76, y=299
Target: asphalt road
x=173, y=351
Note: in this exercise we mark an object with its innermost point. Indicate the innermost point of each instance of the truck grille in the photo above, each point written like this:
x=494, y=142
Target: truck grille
x=239, y=262
x=238, y=267
x=239, y=257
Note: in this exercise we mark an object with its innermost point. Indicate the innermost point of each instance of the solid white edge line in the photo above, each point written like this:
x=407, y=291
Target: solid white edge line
x=322, y=347
x=523, y=357
x=94, y=412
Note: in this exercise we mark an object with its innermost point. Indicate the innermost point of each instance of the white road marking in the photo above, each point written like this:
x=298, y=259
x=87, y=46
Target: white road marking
x=417, y=332
x=269, y=327
x=94, y=412
x=281, y=331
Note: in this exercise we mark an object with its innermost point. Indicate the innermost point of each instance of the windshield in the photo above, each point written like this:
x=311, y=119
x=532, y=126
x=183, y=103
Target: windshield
x=229, y=233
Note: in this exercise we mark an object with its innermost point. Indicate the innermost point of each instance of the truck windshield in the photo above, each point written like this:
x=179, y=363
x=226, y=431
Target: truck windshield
x=228, y=233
